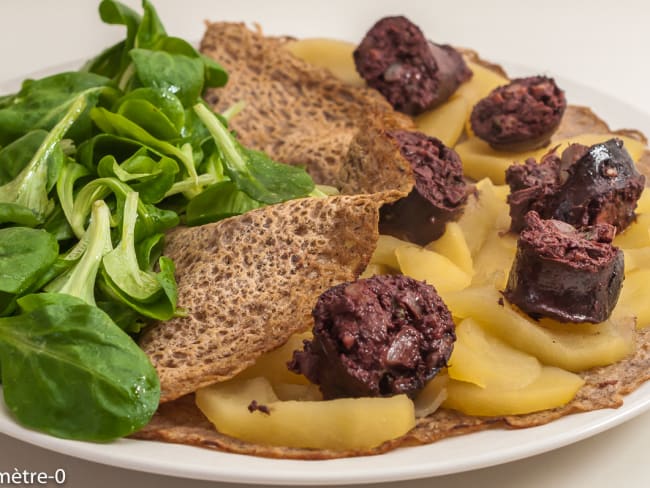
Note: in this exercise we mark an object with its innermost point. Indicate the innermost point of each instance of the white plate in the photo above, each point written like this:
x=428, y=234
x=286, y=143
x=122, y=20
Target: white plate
x=448, y=456
x=454, y=455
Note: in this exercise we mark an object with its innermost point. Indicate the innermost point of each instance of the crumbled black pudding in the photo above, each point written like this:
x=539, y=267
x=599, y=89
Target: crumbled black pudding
x=438, y=196
x=380, y=336
x=411, y=72
x=521, y=115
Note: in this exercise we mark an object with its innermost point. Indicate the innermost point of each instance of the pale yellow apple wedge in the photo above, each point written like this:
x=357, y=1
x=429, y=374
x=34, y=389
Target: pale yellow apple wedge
x=482, y=82
x=554, y=387
x=636, y=235
x=429, y=399
x=374, y=269
x=453, y=245
x=486, y=361
x=437, y=270
x=494, y=260
x=446, y=121
x=273, y=365
x=636, y=258
x=332, y=54
x=575, y=347
x=484, y=211
x=643, y=204
x=634, y=296
x=347, y=423
x=385, y=251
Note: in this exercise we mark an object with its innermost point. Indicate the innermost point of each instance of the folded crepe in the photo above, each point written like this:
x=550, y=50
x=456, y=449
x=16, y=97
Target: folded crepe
x=249, y=282
x=360, y=159
x=297, y=113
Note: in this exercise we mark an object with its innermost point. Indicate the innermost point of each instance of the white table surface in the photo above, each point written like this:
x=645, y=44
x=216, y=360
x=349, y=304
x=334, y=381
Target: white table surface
x=602, y=44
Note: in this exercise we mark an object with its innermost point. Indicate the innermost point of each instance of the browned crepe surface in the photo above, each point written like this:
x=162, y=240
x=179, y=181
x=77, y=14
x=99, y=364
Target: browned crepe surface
x=374, y=162
x=249, y=282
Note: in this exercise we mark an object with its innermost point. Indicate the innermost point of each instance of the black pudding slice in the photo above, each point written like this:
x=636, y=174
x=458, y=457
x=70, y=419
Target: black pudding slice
x=380, y=336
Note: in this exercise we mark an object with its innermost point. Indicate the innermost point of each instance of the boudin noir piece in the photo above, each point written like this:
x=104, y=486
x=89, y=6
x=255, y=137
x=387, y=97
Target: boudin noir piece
x=602, y=186
x=521, y=115
x=586, y=186
x=563, y=273
x=437, y=197
x=533, y=185
x=411, y=72
x=380, y=336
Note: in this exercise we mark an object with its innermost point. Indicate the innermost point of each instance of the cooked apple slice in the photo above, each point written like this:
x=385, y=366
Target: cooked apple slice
x=346, y=423
x=432, y=395
x=331, y=54
x=636, y=235
x=292, y=391
x=445, y=122
x=638, y=258
x=643, y=204
x=574, y=347
x=553, y=387
x=452, y=245
x=273, y=365
x=481, y=212
x=482, y=82
x=385, y=251
x=486, y=361
x=434, y=268
x=502, y=192
x=376, y=269
x=492, y=263
x=634, y=296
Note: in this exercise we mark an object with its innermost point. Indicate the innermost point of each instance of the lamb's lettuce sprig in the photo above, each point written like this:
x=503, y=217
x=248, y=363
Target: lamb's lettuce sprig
x=79, y=280
x=95, y=166
x=151, y=294
x=26, y=195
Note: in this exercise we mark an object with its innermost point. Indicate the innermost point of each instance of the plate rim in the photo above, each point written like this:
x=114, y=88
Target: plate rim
x=338, y=471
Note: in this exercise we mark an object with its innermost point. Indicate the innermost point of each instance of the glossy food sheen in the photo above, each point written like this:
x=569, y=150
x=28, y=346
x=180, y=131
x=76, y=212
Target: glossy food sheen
x=603, y=186
x=344, y=423
x=585, y=186
x=379, y=336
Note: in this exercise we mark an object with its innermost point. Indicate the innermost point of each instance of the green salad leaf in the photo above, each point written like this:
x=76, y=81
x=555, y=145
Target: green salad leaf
x=254, y=172
x=156, y=110
x=25, y=256
x=121, y=264
x=95, y=166
x=17, y=154
x=68, y=370
x=151, y=178
x=40, y=104
x=217, y=202
x=29, y=188
x=79, y=281
x=176, y=73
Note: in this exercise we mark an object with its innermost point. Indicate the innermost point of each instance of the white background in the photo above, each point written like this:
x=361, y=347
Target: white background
x=602, y=44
